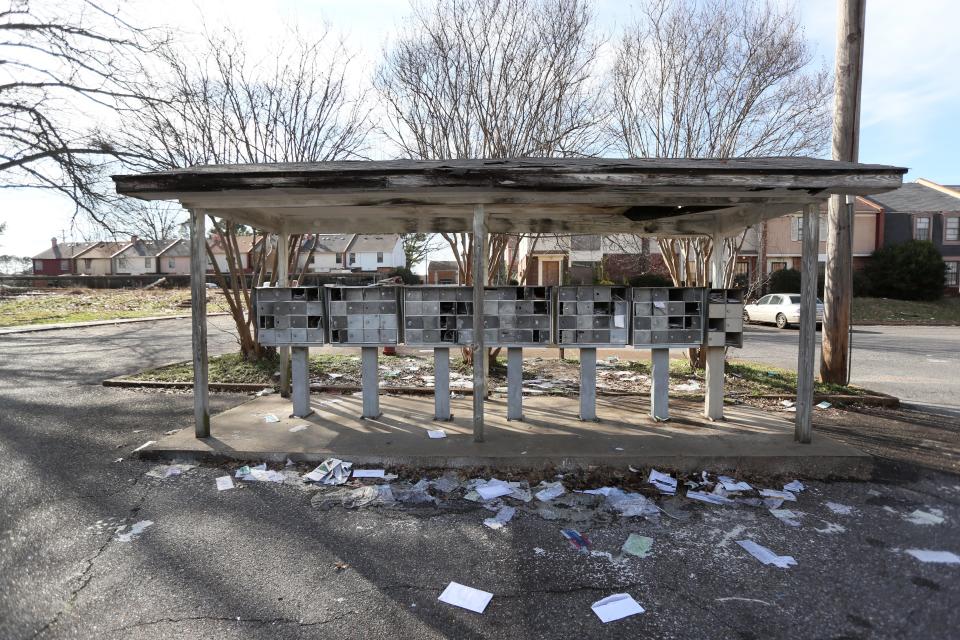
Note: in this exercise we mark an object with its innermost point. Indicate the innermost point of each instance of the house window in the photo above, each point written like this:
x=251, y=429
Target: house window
x=146, y=263
x=951, y=277
x=121, y=263
x=339, y=258
x=353, y=258
x=796, y=228
x=87, y=263
x=38, y=265
x=951, y=229
x=64, y=265
x=778, y=266
x=171, y=263
x=921, y=228
x=379, y=257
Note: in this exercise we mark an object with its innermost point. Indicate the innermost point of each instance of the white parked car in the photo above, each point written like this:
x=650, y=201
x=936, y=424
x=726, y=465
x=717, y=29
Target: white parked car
x=780, y=308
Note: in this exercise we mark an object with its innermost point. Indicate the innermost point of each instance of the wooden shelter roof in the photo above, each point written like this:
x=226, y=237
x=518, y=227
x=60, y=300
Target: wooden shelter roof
x=545, y=195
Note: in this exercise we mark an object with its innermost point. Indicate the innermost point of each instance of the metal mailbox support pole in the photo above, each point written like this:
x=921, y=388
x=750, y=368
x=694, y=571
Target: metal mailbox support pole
x=198, y=308
x=282, y=281
x=479, y=346
x=660, y=384
x=370, y=381
x=301, y=381
x=588, y=384
x=514, y=383
x=441, y=384
x=803, y=431
x=713, y=400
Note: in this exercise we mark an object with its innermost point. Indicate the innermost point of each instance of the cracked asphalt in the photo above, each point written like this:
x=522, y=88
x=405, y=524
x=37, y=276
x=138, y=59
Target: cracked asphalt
x=261, y=562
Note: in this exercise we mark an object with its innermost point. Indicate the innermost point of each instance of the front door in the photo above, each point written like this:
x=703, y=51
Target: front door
x=551, y=273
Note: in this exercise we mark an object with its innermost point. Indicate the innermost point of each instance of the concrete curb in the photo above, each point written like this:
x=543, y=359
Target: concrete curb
x=95, y=323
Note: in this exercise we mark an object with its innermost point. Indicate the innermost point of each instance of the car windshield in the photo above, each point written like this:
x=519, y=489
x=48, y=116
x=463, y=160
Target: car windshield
x=796, y=300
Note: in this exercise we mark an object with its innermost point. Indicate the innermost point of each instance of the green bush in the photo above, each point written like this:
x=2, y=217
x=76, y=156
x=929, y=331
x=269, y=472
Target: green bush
x=785, y=281
x=650, y=280
x=913, y=270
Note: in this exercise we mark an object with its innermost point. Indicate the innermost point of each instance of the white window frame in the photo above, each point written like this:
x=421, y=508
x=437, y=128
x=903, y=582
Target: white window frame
x=64, y=265
x=171, y=263
x=951, y=277
x=946, y=228
x=379, y=257
x=928, y=228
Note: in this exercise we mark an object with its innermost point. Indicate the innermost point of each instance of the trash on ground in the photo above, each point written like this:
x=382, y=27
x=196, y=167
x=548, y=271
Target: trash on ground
x=689, y=385
x=786, y=516
x=368, y=473
x=265, y=392
x=504, y=515
x=169, y=470
x=340, y=566
x=260, y=474
x=665, y=483
x=615, y=607
x=413, y=493
x=135, y=531
x=299, y=427
x=436, y=434
x=627, y=504
x=465, y=597
x=838, y=508
x=787, y=403
x=939, y=557
x=824, y=405
x=637, y=545
x=144, y=445
x=550, y=490
x=730, y=484
x=794, y=487
x=446, y=483
x=577, y=540
x=224, y=483
x=766, y=556
x=270, y=418
x=493, y=489
x=171, y=432
x=783, y=495
x=368, y=495
x=712, y=498
x=330, y=471
x=924, y=517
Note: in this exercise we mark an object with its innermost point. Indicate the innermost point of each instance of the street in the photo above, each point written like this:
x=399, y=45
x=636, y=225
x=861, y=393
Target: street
x=261, y=562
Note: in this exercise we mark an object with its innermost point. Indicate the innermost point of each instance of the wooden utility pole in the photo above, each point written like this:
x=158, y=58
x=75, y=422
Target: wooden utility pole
x=838, y=281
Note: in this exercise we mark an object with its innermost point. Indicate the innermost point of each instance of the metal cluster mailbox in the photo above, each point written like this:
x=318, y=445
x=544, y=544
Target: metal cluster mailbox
x=725, y=318
x=517, y=316
x=668, y=317
x=363, y=315
x=595, y=316
x=290, y=316
x=438, y=315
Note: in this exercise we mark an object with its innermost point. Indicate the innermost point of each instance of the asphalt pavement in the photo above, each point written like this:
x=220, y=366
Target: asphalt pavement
x=261, y=562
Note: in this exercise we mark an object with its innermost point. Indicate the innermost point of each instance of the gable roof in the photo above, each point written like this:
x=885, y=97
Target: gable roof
x=442, y=265
x=178, y=248
x=63, y=251
x=913, y=197
x=103, y=250
x=384, y=242
x=142, y=248
x=328, y=242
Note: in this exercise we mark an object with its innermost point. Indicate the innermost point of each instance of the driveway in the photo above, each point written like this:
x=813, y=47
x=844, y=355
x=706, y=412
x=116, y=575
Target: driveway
x=262, y=562
x=919, y=365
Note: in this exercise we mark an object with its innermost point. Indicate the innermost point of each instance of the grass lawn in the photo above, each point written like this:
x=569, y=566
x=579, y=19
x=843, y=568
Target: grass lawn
x=83, y=305
x=945, y=311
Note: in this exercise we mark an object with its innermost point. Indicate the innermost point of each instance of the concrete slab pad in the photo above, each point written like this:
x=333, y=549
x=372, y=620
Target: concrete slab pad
x=551, y=435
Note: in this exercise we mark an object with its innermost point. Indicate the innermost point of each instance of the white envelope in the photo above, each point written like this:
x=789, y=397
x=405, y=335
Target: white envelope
x=465, y=597
x=615, y=607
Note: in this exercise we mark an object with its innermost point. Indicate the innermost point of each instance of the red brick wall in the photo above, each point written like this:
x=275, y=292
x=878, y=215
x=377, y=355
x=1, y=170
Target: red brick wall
x=50, y=268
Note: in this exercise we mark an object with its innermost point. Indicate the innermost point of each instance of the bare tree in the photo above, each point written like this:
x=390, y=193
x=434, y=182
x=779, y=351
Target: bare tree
x=219, y=107
x=718, y=78
x=64, y=67
x=491, y=79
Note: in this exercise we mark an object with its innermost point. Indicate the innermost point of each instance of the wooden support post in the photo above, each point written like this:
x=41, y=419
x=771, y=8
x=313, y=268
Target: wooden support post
x=283, y=281
x=808, y=323
x=370, y=381
x=479, y=346
x=198, y=318
x=660, y=384
x=838, y=275
x=514, y=383
x=716, y=356
x=301, y=381
x=441, y=384
x=588, y=384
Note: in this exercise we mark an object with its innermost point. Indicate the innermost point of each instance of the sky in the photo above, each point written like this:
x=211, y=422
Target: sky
x=910, y=102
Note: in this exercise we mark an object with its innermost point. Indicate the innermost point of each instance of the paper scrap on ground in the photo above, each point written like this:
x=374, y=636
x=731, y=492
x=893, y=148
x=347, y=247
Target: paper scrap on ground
x=730, y=484
x=795, y=486
x=577, y=540
x=504, y=515
x=940, y=557
x=637, y=545
x=437, y=434
x=550, y=491
x=368, y=473
x=135, y=531
x=689, y=385
x=493, y=489
x=465, y=597
x=824, y=405
x=786, y=516
x=924, y=517
x=144, y=445
x=712, y=498
x=299, y=427
x=841, y=509
x=224, y=483
x=766, y=556
x=270, y=418
x=663, y=482
x=783, y=495
x=615, y=607
x=330, y=471
x=169, y=470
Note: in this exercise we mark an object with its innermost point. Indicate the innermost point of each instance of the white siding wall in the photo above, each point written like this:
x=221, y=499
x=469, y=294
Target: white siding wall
x=98, y=266
x=367, y=260
x=323, y=262
x=181, y=265
x=135, y=264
